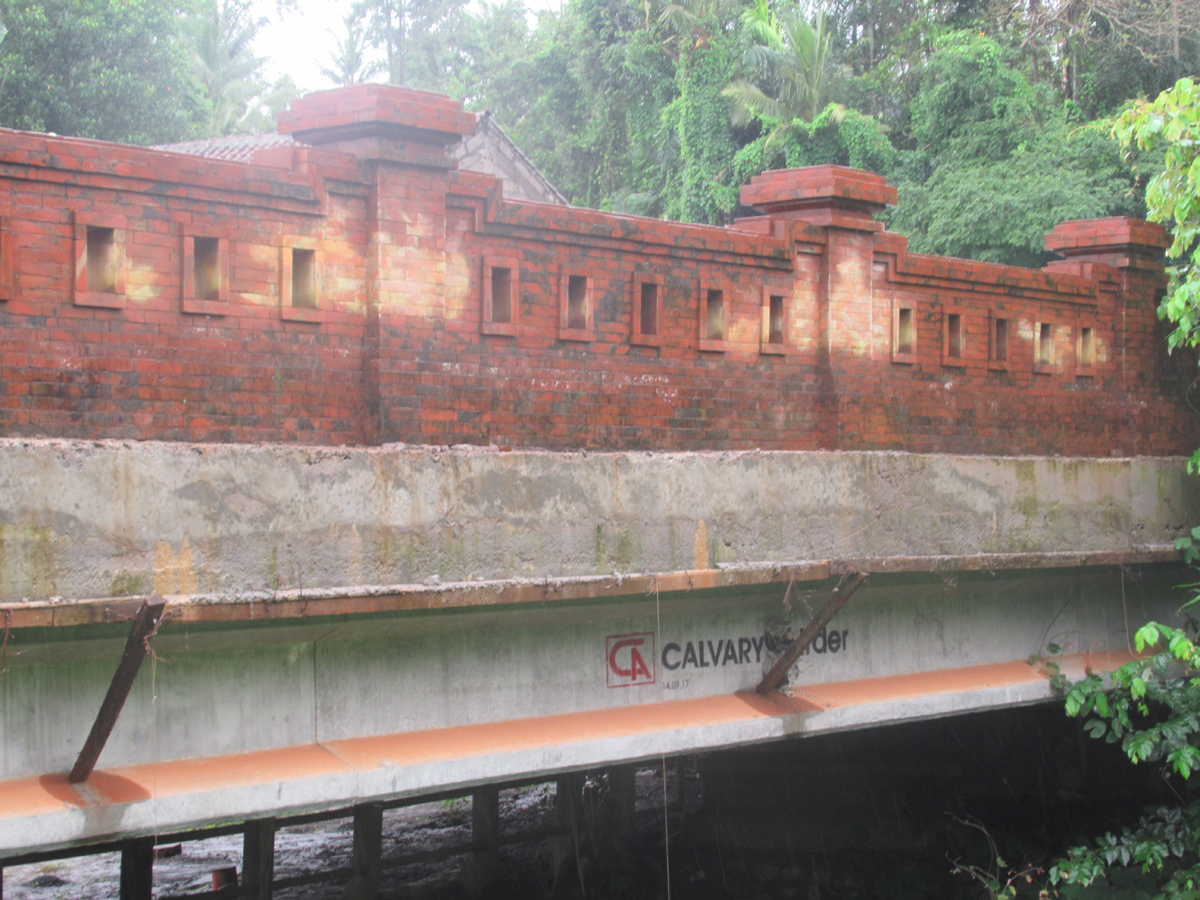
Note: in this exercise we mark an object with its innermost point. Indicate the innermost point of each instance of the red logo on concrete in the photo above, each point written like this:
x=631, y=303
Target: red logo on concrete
x=630, y=659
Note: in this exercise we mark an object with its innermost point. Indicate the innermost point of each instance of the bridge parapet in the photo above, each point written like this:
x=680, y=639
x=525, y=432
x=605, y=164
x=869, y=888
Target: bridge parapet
x=360, y=289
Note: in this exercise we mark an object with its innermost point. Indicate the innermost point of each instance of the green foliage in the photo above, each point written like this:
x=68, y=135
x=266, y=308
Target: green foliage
x=667, y=108
x=220, y=35
x=349, y=63
x=997, y=878
x=1172, y=122
x=1187, y=546
x=585, y=101
x=972, y=102
x=698, y=188
x=263, y=116
x=838, y=136
x=1151, y=707
x=494, y=42
x=109, y=69
x=793, y=58
x=977, y=186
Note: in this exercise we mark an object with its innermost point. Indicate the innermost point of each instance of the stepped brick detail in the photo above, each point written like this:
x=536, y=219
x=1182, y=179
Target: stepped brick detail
x=332, y=291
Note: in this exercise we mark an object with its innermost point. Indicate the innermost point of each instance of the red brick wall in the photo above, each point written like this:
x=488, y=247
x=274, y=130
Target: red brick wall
x=393, y=350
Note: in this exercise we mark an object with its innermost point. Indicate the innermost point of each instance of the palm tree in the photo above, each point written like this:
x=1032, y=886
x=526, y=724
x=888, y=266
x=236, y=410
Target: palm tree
x=693, y=18
x=793, y=59
x=221, y=35
x=349, y=65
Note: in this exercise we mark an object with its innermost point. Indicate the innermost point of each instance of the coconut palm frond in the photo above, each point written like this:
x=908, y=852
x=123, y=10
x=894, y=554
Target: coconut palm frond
x=349, y=63
x=220, y=35
x=751, y=103
x=677, y=18
x=761, y=25
x=763, y=60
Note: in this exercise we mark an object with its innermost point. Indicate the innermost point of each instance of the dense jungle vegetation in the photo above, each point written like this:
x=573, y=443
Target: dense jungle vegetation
x=992, y=117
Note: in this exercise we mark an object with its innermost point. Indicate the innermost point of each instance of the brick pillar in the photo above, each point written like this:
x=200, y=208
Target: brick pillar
x=1124, y=257
x=401, y=136
x=843, y=202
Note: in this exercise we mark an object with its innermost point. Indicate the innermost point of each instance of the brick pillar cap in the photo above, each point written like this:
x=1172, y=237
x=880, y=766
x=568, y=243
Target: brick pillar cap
x=376, y=111
x=825, y=195
x=1116, y=234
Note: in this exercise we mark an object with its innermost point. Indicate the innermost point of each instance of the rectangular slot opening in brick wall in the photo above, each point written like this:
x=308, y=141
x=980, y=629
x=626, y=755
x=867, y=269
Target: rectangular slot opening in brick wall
x=904, y=334
x=8, y=286
x=953, y=339
x=304, y=278
x=206, y=268
x=577, y=302
x=648, y=310
x=999, y=348
x=712, y=315
x=1085, y=351
x=99, y=261
x=1043, y=346
x=575, y=308
x=774, y=321
x=646, y=314
x=302, y=282
x=501, y=297
x=205, y=275
x=102, y=262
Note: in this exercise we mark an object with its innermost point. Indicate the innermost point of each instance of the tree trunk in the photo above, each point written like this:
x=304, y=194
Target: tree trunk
x=1034, y=10
x=1175, y=32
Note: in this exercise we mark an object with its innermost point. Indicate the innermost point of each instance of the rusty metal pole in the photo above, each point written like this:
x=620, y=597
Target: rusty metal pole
x=145, y=623
x=846, y=587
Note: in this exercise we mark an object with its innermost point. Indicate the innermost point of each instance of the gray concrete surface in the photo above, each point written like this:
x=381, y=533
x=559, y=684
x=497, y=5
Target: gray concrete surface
x=108, y=518
x=222, y=689
x=80, y=520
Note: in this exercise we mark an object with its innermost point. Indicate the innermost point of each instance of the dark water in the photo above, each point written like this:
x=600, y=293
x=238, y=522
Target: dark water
x=879, y=813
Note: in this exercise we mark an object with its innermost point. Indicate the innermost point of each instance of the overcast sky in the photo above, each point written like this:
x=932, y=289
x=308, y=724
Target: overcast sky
x=300, y=42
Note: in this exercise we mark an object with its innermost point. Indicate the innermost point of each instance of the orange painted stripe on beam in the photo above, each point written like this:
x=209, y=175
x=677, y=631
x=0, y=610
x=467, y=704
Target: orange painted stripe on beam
x=569, y=728
x=918, y=684
x=51, y=793
x=838, y=694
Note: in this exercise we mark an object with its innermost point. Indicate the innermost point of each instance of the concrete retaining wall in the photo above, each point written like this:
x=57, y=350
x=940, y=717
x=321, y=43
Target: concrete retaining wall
x=94, y=519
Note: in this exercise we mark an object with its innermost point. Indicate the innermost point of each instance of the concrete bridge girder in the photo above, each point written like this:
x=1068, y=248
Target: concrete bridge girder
x=248, y=722
x=337, y=694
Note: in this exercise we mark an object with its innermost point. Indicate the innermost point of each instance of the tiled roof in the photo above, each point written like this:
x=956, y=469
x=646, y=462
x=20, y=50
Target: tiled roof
x=490, y=150
x=236, y=148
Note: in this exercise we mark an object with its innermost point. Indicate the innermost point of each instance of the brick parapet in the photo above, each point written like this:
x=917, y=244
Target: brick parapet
x=388, y=342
